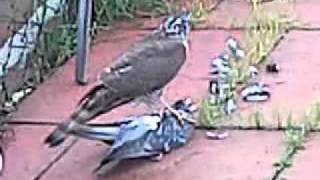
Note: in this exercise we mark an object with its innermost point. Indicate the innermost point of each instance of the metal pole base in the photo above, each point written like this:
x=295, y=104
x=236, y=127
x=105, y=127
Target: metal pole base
x=83, y=41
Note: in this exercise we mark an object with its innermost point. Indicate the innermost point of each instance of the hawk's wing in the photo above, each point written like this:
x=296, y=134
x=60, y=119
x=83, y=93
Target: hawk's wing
x=146, y=67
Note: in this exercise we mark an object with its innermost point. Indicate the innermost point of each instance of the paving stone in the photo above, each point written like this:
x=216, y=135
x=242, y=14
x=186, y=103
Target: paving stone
x=306, y=163
x=299, y=59
x=235, y=13
x=242, y=156
x=230, y=13
x=27, y=156
x=307, y=12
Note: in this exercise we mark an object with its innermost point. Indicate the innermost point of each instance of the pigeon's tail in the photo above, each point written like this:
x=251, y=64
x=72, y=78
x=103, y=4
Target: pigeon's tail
x=103, y=133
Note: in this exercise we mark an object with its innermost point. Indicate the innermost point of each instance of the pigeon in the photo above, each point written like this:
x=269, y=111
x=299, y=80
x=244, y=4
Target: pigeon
x=147, y=136
x=146, y=68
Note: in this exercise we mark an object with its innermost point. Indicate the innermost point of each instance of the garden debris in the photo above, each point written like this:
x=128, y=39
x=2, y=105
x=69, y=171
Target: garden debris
x=2, y=160
x=273, y=67
x=217, y=135
x=256, y=92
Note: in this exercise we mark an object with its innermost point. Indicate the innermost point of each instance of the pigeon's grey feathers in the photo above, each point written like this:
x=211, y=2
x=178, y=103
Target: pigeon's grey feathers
x=145, y=136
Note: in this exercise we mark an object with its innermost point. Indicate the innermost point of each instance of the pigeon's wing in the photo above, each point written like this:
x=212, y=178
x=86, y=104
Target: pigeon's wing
x=146, y=67
x=131, y=139
x=136, y=130
x=105, y=133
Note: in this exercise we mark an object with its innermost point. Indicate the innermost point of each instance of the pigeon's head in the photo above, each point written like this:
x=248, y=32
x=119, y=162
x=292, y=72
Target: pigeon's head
x=177, y=26
x=185, y=106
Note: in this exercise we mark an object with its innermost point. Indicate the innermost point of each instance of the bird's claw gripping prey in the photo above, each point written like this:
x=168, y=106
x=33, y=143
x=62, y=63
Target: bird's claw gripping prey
x=180, y=116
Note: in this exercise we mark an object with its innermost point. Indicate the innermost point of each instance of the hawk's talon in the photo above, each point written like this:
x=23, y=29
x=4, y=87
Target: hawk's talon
x=179, y=117
x=157, y=158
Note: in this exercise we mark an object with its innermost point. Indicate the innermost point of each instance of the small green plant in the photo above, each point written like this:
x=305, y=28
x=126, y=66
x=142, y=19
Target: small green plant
x=264, y=29
x=107, y=11
x=313, y=116
x=210, y=113
x=257, y=119
x=295, y=138
x=200, y=11
x=276, y=116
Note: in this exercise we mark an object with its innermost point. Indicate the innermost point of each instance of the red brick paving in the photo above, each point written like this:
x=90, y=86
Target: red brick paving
x=307, y=12
x=27, y=155
x=299, y=61
x=307, y=162
x=231, y=13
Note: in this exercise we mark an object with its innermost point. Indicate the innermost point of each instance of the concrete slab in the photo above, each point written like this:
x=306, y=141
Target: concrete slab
x=230, y=14
x=27, y=156
x=307, y=12
x=306, y=162
x=243, y=156
x=299, y=59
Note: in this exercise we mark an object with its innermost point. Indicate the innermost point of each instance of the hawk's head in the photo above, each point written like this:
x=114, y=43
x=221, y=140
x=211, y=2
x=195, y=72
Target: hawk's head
x=177, y=26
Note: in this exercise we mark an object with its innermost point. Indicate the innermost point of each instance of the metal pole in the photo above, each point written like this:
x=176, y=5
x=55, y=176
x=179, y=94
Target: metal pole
x=83, y=42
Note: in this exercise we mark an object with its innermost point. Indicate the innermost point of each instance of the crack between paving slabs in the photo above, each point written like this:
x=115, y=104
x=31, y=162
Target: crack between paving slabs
x=55, y=160
x=227, y=127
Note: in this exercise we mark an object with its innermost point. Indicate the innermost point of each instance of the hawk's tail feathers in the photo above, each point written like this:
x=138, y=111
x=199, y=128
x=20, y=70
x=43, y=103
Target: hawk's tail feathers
x=58, y=136
x=91, y=93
